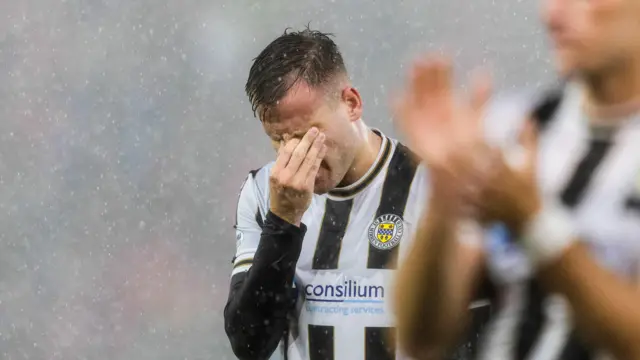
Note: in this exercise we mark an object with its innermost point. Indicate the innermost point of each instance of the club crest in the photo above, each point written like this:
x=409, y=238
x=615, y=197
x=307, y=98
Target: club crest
x=386, y=231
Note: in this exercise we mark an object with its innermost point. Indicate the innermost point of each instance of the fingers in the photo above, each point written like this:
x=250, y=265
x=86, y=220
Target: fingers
x=299, y=160
x=285, y=152
x=311, y=157
x=300, y=152
x=480, y=91
x=315, y=167
x=432, y=78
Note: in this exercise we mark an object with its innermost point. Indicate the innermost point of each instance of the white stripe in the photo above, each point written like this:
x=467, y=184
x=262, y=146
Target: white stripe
x=499, y=338
x=246, y=251
x=241, y=269
x=479, y=303
x=345, y=340
x=555, y=331
x=243, y=257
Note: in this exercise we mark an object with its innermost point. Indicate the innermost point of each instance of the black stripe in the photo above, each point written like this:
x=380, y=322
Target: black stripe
x=532, y=319
x=574, y=192
x=378, y=344
x=577, y=186
x=334, y=226
x=575, y=350
x=254, y=172
x=533, y=315
x=321, y=340
x=633, y=203
x=480, y=317
x=470, y=344
x=545, y=109
x=393, y=200
x=259, y=218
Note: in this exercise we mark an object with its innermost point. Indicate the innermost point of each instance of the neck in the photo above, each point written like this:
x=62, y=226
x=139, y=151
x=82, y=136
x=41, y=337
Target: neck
x=365, y=156
x=613, y=92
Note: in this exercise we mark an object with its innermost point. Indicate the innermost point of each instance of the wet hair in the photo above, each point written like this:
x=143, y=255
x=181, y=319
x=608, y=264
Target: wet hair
x=308, y=55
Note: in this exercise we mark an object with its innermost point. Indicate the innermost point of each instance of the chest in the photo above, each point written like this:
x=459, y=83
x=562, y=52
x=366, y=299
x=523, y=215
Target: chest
x=349, y=255
x=356, y=235
x=599, y=182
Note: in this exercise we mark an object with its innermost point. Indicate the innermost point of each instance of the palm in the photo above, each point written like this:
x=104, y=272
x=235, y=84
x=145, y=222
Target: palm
x=425, y=124
x=431, y=117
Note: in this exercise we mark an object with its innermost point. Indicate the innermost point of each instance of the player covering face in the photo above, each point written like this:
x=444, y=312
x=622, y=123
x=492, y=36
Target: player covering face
x=596, y=47
x=319, y=229
x=295, y=174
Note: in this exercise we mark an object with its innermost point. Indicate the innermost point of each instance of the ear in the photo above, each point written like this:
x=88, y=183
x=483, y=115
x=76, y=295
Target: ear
x=351, y=98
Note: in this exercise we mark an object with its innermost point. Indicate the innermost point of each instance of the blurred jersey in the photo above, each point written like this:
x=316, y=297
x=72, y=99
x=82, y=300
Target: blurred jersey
x=593, y=171
x=353, y=240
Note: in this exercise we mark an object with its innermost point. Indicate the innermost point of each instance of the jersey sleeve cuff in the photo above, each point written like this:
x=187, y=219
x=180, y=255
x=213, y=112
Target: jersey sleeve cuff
x=275, y=223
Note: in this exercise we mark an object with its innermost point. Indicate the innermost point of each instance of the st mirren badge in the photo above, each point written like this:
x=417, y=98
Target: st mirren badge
x=386, y=231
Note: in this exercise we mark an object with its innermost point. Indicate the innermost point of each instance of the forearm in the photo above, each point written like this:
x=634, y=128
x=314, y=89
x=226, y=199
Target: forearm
x=256, y=313
x=606, y=308
x=434, y=286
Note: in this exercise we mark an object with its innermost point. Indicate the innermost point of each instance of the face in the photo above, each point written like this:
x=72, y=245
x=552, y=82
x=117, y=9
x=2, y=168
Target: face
x=592, y=35
x=333, y=114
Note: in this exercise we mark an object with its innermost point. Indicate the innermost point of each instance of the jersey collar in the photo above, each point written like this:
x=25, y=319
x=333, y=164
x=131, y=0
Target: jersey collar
x=352, y=190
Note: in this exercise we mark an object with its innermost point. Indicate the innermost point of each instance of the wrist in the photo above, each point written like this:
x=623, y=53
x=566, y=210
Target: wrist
x=287, y=216
x=547, y=233
x=518, y=221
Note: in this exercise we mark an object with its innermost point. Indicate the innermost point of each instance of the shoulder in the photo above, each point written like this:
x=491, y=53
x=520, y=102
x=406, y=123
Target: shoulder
x=506, y=112
x=419, y=171
x=263, y=172
x=256, y=181
x=259, y=175
x=403, y=154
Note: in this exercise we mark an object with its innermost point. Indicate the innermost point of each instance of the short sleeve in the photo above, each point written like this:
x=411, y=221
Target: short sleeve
x=248, y=226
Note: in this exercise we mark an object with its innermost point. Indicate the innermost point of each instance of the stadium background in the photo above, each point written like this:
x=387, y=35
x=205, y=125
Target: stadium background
x=125, y=135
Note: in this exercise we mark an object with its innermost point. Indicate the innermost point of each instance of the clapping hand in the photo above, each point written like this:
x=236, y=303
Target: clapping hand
x=446, y=131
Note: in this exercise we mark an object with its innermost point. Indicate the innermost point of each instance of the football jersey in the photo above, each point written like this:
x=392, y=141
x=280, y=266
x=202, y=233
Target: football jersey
x=353, y=240
x=595, y=173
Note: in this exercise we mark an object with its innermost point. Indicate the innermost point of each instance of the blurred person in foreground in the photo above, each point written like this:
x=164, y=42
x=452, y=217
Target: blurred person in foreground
x=319, y=230
x=544, y=213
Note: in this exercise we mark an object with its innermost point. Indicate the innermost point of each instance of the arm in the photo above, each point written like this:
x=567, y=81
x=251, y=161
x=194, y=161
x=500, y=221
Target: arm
x=435, y=284
x=256, y=313
x=606, y=309
x=264, y=267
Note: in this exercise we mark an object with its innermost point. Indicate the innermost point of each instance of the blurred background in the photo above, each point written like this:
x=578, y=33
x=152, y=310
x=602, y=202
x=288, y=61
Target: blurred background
x=125, y=136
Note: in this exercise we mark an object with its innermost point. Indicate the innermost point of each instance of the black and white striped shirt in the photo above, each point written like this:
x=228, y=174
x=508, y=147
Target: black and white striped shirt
x=595, y=172
x=354, y=236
